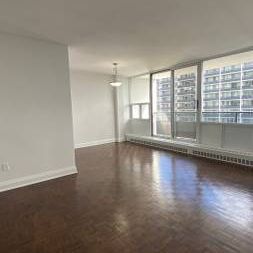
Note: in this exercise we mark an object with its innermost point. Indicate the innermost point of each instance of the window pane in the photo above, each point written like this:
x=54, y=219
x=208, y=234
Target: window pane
x=135, y=111
x=227, y=89
x=161, y=93
x=145, y=111
x=186, y=102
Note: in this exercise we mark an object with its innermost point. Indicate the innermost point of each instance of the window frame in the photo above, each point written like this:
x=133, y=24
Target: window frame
x=198, y=99
x=171, y=106
x=140, y=110
x=199, y=64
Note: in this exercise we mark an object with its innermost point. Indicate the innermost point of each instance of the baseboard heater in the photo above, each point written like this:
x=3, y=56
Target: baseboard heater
x=235, y=157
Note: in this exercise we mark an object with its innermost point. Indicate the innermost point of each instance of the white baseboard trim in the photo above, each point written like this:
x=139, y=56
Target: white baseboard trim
x=120, y=139
x=37, y=178
x=98, y=142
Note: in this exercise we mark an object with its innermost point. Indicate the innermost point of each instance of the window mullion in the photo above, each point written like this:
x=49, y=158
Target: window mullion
x=199, y=101
x=172, y=104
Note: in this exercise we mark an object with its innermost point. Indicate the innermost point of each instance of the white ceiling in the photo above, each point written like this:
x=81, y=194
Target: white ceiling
x=142, y=35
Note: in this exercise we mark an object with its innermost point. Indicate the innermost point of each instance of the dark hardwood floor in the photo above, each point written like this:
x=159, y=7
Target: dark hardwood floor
x=127, y=199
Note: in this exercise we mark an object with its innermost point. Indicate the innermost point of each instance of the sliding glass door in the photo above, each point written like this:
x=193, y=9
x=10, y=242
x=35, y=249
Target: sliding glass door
x=174, y=103
x=185, y=99
x=161, y=104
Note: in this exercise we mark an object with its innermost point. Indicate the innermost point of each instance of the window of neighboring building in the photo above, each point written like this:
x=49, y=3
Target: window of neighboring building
x=227, y=89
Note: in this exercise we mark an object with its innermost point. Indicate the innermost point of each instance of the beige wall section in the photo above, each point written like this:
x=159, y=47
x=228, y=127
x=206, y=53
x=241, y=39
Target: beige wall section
x=93, y=108
x=35, y=107
x=139, y=89
x=139, y=92
x=122, y=109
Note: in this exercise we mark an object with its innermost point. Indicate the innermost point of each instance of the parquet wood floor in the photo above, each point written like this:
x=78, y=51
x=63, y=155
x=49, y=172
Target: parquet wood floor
x=128, y=199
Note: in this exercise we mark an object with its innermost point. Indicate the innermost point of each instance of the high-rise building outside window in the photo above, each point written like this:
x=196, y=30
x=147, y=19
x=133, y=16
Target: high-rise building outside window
x=227, y=89
x=185, y=99
x=161, y=90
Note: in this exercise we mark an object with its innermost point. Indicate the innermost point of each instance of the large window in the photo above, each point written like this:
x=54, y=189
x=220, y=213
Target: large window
x=227, y=89
x=175, y=104
x=161, y=95
x=185, y=97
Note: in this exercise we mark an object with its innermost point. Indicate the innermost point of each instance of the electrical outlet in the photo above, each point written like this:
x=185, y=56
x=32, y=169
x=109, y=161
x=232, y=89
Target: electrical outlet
x=5, y=167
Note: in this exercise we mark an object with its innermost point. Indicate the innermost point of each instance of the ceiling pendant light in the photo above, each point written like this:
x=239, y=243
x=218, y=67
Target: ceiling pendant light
x=115, y=81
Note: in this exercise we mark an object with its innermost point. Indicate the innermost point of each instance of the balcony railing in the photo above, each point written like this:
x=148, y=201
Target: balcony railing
x=164, y=81
x=212, y=81
x=185, y=84
x=248, y=107
x=163, y=87
x=231, y=69
x=210, y=98
x=232, y=86
x=212, y=72
x=164, y=94
x=230, y=106
x=212, y=116
x=230, y=79
x=247, y=85
x=228, y=117
x=247, y=96
x=247, y=66
x=211, y=107
x=230, y=97
x=211, y=90
x=186, y=77
x=247, y=76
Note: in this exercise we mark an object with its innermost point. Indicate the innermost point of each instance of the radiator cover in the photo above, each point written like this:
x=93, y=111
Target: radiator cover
x=219, y=154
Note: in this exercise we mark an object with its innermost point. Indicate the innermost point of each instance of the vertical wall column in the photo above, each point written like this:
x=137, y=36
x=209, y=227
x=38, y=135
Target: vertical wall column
x=117, y=114
x=199, y=102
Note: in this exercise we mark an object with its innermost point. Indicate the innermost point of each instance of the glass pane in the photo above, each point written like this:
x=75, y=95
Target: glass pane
x=161, y=93
x=145, y=111
x=186, y=102
x=227, y=89
x=135, y=111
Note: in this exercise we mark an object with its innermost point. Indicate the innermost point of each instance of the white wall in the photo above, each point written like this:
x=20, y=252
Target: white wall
x=139, y=89
x=138, y=93
x=139, y=127
x=93, y=108
x=122, y=108
x=35, y=109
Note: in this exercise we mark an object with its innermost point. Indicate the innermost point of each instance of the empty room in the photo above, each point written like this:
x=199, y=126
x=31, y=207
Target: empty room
x=126, y=126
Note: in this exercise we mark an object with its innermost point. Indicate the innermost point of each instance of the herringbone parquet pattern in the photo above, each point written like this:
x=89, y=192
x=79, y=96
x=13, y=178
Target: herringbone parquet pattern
x=128, y=199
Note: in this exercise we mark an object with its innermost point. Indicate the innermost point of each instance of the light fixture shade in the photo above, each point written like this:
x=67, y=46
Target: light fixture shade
x=115, y=83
